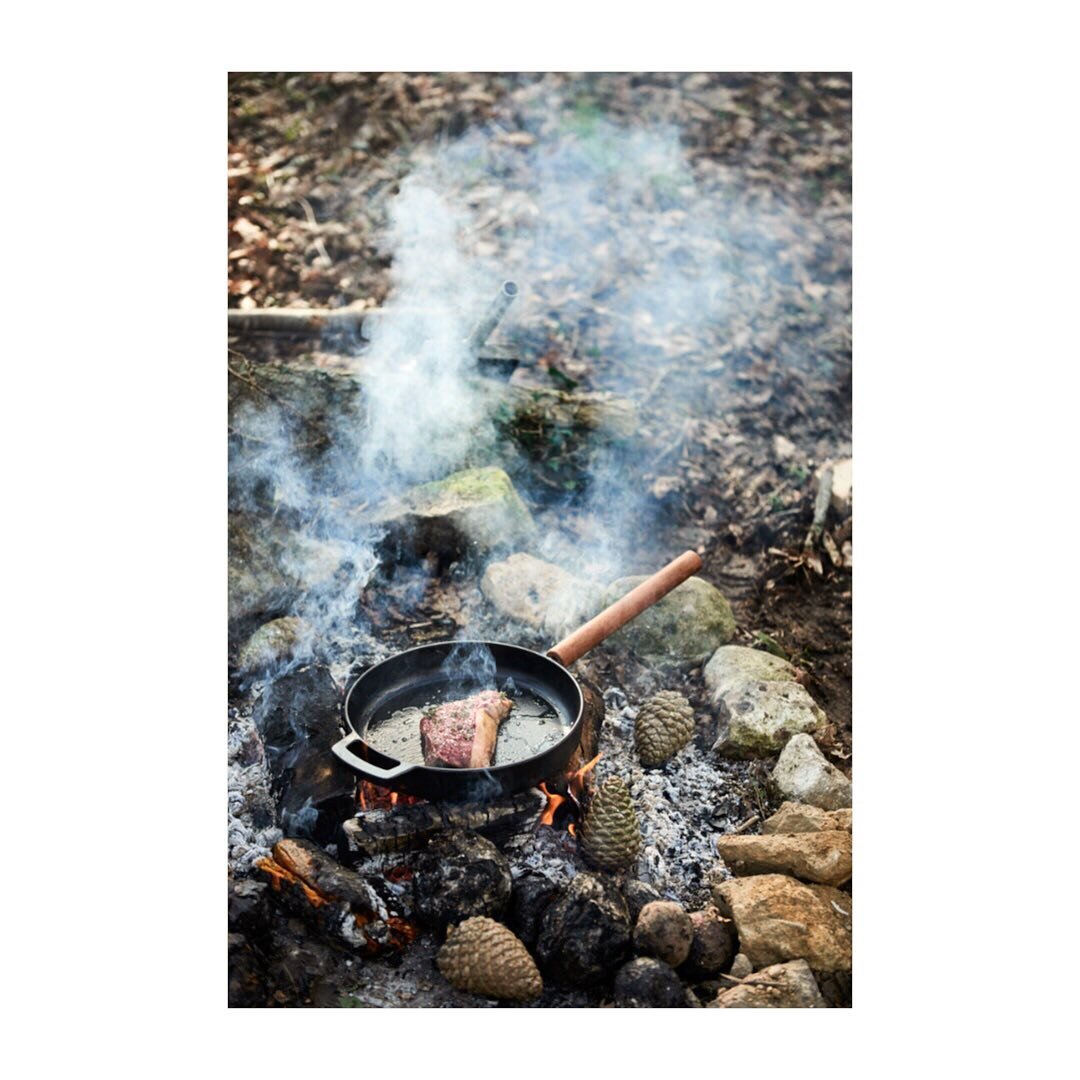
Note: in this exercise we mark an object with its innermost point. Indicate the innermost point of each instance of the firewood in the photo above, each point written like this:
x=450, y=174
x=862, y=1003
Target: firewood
x=402, y=828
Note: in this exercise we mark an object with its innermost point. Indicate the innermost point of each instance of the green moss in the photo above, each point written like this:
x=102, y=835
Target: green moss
x=471, y=484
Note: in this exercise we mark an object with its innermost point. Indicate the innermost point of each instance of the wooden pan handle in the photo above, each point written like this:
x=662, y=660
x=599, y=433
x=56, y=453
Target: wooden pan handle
x=609, y=620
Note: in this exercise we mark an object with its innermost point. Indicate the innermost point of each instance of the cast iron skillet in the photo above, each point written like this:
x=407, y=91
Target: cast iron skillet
x=416, y=673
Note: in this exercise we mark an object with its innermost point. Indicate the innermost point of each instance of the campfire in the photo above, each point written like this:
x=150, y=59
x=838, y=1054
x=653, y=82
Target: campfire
x=468, y=717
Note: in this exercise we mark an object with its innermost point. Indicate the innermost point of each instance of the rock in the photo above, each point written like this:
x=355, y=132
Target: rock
x=783, y=448
x=302, y=706
x=646, y=983
x=664, y=930
x=539, y=594
x=802, y=774
x=681, y=629
x=835, y=987
x=476, y=510
x=531, y=895
x=713, y=944
x=271, y=566
x=637, y=894
x=482, y=957
x=275, y=643
x=841, y=485
x=798, y=989
x=778, y=919
x=759, y=701
x=793, y=817
x=584, y=932
x=820, y=857
x=741, y=967
x=459, y=875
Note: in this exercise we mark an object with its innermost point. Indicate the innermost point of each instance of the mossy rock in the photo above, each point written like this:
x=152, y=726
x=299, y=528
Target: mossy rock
x=475, y=510
x=681, y=629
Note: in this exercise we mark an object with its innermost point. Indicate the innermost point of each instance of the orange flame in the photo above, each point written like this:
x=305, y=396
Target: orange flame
x=577, y=779
x=575, y=788
x=553, y=804
x=279, y=873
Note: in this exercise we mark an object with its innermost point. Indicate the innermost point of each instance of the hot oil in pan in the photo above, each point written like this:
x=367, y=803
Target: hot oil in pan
x=532, y=726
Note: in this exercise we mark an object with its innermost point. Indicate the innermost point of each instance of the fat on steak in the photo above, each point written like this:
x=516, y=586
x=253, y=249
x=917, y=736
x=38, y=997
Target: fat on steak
x=461, y=734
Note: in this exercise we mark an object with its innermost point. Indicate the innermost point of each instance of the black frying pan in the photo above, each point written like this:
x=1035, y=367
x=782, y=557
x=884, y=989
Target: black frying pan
x=418, y=675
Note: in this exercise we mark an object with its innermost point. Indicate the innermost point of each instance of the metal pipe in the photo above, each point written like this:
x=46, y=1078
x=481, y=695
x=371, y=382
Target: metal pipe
x=493, y=315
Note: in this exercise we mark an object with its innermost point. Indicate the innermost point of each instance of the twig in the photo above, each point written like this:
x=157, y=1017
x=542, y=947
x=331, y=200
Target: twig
x=821, y=509
x=313, y=224
x=759, y=982
x=749, y=823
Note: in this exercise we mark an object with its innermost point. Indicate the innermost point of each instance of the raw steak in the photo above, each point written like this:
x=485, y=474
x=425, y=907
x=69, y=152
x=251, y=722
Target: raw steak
x=461, y=734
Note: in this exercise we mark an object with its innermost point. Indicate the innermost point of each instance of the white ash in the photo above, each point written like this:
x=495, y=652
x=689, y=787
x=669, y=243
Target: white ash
x=253, y=827
x=683, y=806
x=412, y=980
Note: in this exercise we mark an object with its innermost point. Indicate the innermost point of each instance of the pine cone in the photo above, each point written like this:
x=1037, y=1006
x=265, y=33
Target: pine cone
x=664, y=725
x=610, y=835
x=482, y=957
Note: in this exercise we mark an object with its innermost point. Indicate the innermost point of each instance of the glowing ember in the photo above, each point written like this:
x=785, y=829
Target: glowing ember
x=279, y=873
x=374, y=797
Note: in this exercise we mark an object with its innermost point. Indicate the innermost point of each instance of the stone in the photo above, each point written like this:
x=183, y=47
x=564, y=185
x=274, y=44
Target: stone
x=713, y=945
x=778, y=919
x=759, y=701
x=646, y=983
x=468, y=512
x=584, y=932
x=637, y=894
x=793, y=817
x=664, y=930
x=740, y=966
x=460, y=875
x=803, y=775
x=783, y=448
x=532, y=893
x=841, y=485
x=272, y=566
x=275, y=643
x=302, y=706
x=539, y=594
x=681, y=629
x=820, y=857
x=797, y=989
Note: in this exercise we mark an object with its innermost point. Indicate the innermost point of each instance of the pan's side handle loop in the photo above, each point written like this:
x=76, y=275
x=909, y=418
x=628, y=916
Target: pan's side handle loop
x=628, y=607
x=366, y=768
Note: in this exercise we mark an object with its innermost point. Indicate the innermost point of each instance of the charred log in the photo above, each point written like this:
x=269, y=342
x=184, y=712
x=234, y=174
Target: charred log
x=405, y=828
x=352, y=910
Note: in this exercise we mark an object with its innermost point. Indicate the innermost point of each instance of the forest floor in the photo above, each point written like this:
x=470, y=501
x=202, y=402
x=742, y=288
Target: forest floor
x=742, y=182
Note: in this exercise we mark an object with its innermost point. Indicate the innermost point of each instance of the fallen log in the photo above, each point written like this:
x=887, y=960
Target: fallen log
x=364, y=322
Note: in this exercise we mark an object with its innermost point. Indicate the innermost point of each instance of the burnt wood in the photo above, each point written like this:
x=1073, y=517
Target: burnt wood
x=402, y=828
